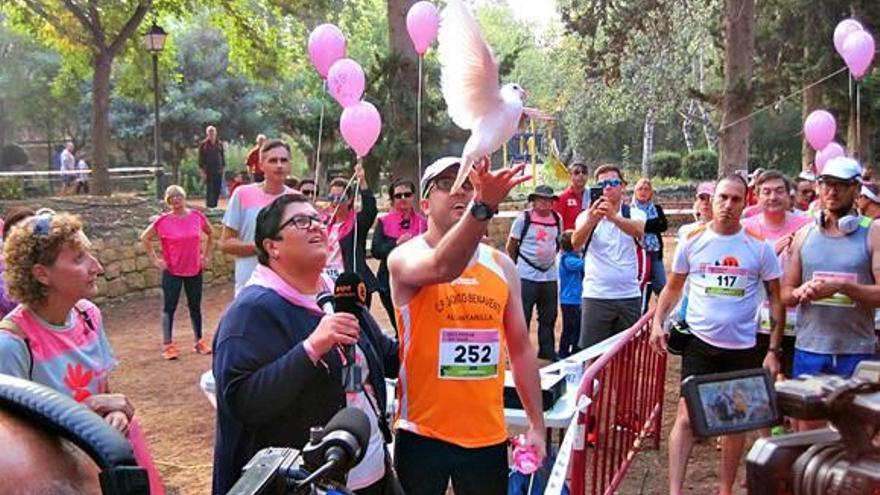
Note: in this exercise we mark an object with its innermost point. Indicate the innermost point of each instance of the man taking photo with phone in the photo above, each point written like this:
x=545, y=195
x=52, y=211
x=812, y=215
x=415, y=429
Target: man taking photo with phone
x=607, y=233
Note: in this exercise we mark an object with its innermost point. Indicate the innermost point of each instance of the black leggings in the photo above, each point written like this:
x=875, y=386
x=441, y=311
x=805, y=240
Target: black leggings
x=425, y=465
x=171, y=285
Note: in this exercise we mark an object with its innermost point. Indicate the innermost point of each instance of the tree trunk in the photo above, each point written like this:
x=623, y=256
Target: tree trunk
x=100, y=183
x=648, y=143
x=687, y=127
x=403, y=120
x=812, y=100
x=739, y=50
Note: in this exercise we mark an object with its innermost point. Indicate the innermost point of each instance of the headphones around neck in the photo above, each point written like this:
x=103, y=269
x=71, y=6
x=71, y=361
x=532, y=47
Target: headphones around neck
x=848, y=224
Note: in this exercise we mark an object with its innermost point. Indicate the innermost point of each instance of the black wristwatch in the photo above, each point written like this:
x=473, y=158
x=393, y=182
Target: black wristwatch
x=481, y=211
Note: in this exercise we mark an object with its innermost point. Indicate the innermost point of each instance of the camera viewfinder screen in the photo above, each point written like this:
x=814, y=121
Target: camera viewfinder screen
x=736, y=404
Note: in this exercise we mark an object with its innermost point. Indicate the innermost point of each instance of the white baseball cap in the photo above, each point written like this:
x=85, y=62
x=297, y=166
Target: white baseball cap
x=438, y=167
x=842, y=168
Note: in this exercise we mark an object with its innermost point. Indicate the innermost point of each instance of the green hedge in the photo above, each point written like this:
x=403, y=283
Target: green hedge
x=700, y=165
x=666, y=163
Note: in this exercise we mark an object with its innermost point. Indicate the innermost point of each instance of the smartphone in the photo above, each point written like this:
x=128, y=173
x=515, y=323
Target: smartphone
x=595, y=194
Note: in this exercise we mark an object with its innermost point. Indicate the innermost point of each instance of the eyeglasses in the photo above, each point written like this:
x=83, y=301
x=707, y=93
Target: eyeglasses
x=302, y=222
x=403, y=195
x=337, y=198
x=445, y=184
x=835, y=183
x=609, y=183
x=578, y=171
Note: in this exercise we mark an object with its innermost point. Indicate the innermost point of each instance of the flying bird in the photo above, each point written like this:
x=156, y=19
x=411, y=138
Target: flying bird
x=469, y=79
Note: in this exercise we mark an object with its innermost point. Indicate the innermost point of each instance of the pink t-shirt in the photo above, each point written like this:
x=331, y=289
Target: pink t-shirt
x=756, y=226
x=181, y=241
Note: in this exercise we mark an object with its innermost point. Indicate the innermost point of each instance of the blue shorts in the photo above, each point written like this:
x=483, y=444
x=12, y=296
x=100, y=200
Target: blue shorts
x=813, y=363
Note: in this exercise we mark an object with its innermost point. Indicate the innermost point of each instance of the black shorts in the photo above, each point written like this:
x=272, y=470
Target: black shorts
x=701, y=358
x=787, y=357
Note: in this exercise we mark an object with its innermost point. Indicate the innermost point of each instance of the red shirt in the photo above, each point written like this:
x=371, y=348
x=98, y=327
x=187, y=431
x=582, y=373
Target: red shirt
x=253, y=162
x=569, y=206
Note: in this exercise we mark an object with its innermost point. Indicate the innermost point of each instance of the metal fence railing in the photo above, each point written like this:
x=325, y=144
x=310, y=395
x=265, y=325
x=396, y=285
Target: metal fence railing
x=624, y=389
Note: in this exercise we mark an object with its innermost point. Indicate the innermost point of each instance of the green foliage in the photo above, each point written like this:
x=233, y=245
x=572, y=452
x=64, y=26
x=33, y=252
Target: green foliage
x=11, y=188
x=700, y=165
x=666, y=163
x=191, y=177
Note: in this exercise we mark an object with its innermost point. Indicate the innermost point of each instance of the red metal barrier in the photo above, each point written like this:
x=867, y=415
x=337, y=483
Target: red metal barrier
x=625, y=386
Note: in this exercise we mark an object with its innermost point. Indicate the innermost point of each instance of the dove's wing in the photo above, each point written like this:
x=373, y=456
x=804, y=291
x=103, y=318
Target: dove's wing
x=469, y=76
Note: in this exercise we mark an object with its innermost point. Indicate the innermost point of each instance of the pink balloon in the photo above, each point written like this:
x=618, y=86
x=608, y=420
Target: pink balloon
x=858, y=52
x=819, y=129
x=833, y=150
x=345, y=81
x=422, y=22
x=326, y=46
x=360, y=126
x=843, y=29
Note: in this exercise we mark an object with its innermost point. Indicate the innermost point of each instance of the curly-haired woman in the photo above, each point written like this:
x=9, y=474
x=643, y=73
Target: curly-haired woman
x=55, y=336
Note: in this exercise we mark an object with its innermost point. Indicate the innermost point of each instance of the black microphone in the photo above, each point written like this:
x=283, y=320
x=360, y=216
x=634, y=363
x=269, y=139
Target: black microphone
x=340, y=445
x=347, y=293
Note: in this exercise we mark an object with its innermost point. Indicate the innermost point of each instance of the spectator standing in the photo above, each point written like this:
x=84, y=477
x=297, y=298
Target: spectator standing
x=347, y=244
x=56, y=336
x=308, y=189
x=832, y=275
x=571, y=280
x=805, y=191
x=532, y=244
x=253, y=161
x=652, y=242
x=67, y=168
x=573, y=199
x=239, y=221
x=777, y=225
x=399, y=225
x=82, y=176
x=278, y=365
x=608, y=232
x=212, y=162
x=180, y=232
x=869, y=200
x=724, y=268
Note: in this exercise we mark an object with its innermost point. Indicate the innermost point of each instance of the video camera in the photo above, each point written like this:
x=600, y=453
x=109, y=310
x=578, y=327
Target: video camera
x=319, y=468
x=841, y=460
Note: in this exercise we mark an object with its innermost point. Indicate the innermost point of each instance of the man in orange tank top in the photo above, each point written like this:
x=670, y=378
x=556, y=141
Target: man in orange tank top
x=460, y=318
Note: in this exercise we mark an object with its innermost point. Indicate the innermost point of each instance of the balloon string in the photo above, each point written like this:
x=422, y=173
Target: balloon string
x=318, y=146
x=857, y=149
x=419, y=127
x=354, y=246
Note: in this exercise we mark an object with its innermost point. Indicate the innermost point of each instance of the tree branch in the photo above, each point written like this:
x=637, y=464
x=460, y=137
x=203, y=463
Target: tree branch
x=96, y=20
x=131, y=25
x=713, y=99
x=86, y=23
x=39, y=9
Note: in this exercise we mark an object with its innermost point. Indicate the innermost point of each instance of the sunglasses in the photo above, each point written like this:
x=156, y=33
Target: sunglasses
x=609, y=183
x=403, y=195
x=445, y=184
x=337, y=198
x=302, y=222
x=308, y=192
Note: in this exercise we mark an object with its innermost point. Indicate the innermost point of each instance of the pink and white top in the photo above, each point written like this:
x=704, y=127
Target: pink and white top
x=180, y=236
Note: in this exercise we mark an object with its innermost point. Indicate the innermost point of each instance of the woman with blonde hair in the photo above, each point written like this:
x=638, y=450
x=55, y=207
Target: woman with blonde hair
x=55, y=336
x=183, y=256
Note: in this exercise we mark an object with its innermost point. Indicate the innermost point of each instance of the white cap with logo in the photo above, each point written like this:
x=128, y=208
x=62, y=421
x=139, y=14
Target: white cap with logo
x=842, y=168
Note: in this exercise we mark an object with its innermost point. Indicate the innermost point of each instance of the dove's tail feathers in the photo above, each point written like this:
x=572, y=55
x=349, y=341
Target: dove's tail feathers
x=467, y=163
x=469, y=77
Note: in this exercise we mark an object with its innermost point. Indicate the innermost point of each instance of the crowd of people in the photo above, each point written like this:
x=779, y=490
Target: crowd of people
x=750, y=285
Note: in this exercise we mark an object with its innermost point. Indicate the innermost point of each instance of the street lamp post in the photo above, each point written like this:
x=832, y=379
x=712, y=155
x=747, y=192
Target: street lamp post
x=154, y=40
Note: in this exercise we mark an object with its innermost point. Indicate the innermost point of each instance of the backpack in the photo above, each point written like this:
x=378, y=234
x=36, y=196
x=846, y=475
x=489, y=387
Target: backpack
x=527, y=222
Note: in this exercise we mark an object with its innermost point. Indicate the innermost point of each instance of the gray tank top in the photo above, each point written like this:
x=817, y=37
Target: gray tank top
x=836, y=325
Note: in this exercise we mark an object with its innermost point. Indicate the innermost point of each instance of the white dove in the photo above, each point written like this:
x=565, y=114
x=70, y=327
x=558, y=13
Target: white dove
x=469, y=79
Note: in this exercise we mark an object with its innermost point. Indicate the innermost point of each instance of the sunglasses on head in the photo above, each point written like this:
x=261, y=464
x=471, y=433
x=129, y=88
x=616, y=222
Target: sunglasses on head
x=403, y=195
x=302, y=222
x=43, y=222
x=609, y=183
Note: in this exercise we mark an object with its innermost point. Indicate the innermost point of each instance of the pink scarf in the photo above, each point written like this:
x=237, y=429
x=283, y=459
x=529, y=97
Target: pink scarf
x=263, y=276
x=391, y=224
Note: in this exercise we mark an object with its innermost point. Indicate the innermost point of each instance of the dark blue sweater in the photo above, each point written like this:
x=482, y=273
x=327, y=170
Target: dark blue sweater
x=268, y=391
